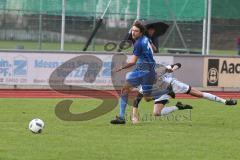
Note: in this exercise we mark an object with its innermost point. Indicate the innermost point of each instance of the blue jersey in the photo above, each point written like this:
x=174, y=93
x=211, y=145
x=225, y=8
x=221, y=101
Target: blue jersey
x=143, y=50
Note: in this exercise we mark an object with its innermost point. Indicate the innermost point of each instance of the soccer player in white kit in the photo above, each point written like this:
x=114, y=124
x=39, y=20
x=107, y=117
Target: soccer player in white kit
x=177, y=87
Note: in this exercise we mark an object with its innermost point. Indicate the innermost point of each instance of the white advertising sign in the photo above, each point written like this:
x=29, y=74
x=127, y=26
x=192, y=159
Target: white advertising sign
x=18, y=68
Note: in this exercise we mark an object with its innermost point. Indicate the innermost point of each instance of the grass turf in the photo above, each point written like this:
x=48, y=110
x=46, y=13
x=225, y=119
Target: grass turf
x=210, y=131
x=74, y=46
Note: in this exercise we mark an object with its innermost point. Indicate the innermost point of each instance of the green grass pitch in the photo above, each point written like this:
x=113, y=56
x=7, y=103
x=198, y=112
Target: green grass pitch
x=74, y=46
x=211, y=131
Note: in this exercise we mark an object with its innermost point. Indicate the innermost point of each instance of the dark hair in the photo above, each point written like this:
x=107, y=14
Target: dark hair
x=150, y=26
x=139, y=25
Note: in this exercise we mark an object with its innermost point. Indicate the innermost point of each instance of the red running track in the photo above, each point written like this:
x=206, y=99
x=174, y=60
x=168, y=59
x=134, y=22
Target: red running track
x=30, y=93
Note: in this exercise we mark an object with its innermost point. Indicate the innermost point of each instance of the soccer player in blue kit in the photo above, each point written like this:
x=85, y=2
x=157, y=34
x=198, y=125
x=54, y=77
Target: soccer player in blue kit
x=144, y=73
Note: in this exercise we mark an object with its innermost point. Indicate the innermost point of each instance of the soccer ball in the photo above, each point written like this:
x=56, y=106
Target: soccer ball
x=36, y=125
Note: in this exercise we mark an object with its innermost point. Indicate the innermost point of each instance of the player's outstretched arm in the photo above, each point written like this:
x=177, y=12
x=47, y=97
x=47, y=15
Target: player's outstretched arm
x=131, y=63
x=173, y=67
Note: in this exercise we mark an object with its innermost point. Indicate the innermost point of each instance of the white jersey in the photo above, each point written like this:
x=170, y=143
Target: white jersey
x=164, y=81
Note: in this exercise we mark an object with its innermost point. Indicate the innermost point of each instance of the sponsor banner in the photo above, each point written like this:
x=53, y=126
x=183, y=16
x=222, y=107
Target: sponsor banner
x=222, y=72
x=20, y=68
x=213, y=72
x=36, y=68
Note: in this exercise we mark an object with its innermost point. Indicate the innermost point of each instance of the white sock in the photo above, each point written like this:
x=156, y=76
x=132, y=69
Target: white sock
x=212, y=97
x=167, y=110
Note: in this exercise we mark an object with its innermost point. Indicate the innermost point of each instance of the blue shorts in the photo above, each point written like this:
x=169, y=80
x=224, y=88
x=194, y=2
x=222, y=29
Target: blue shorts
x=144, y=78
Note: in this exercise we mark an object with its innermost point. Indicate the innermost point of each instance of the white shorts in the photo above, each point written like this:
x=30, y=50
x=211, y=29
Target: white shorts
x=179, y=87
x=164, y=82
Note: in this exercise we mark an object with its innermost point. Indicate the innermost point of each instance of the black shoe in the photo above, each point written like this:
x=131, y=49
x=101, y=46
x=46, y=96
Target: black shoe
x=181, y=106
x=118, y=120
x=231, y=102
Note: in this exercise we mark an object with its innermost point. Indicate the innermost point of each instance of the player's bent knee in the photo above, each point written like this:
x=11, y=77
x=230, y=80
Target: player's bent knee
x=158, y=106
x=156, y=114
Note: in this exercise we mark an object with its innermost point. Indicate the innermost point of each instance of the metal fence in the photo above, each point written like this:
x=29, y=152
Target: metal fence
x=29, y=30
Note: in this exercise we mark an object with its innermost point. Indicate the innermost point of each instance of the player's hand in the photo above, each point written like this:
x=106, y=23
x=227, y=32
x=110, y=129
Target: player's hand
x=169, y=69
x=135, y=119
x=176, y=66
x=172, y=68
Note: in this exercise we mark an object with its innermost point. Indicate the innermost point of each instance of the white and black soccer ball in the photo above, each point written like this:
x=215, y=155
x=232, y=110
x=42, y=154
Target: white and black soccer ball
x=36, y=125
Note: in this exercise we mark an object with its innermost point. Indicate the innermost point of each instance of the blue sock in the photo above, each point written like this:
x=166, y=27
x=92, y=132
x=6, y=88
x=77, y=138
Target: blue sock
x=123, y=105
